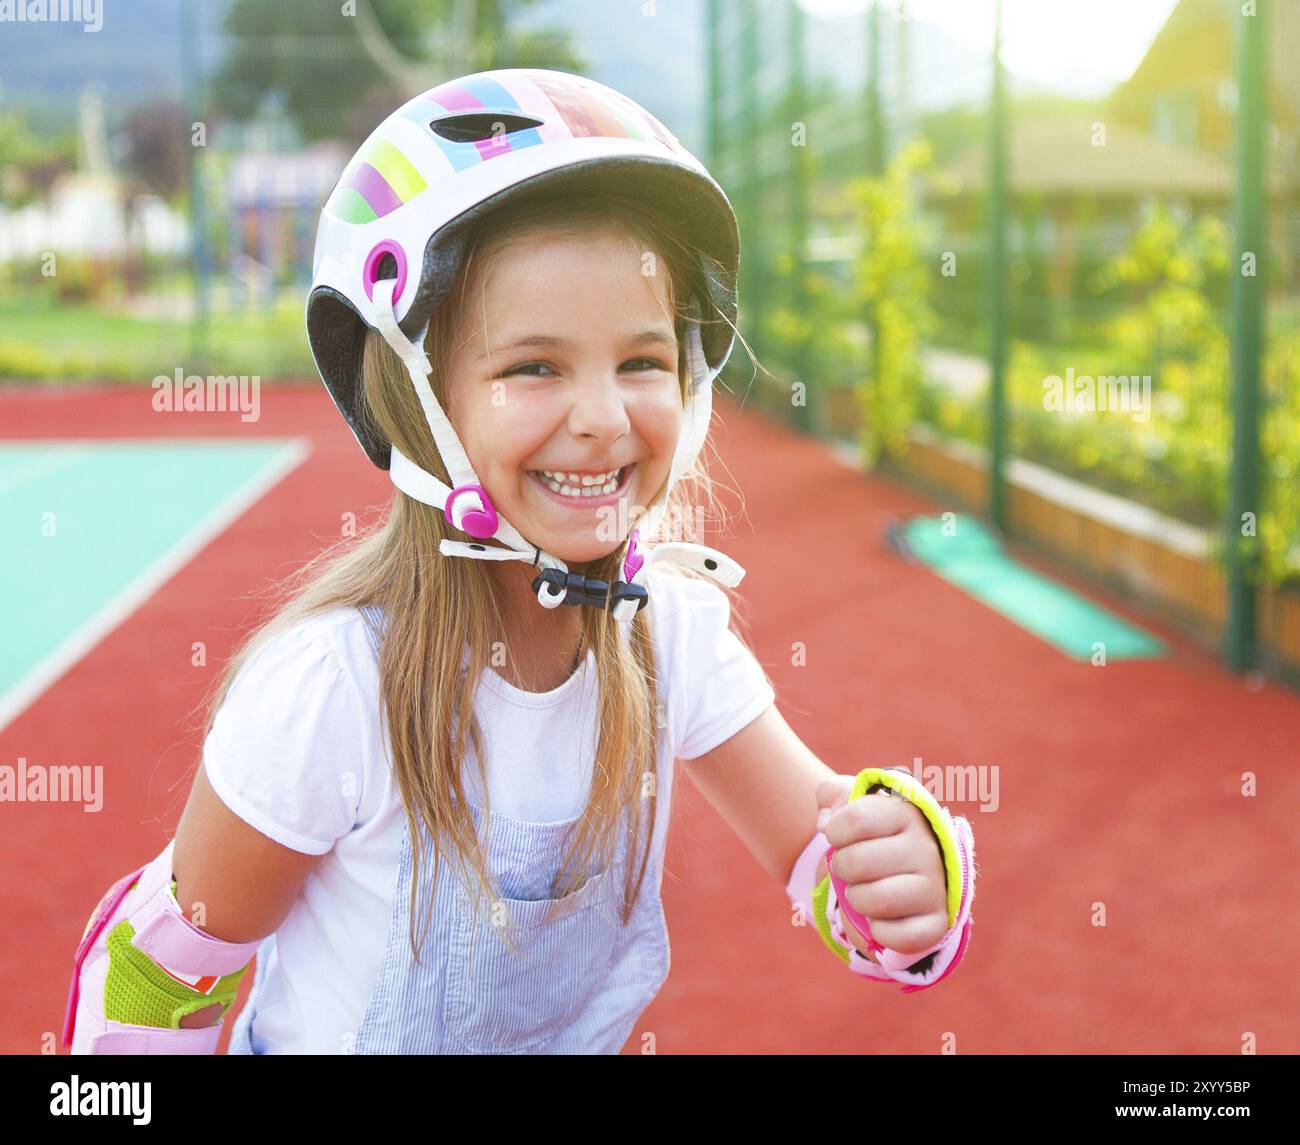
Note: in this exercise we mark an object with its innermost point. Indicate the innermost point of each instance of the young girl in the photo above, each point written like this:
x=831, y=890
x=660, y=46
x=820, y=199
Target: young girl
x=434, y=802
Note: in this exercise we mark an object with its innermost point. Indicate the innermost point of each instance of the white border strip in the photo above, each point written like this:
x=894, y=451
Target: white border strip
x=1118, y=512
x=296, y=450
x=59, y=457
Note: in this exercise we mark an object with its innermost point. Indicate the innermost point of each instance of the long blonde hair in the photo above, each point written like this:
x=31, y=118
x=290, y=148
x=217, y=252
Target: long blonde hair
x=435, y=606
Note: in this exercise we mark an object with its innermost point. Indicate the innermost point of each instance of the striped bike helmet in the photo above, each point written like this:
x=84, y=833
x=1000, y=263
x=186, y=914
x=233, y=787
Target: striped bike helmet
x=390, y=243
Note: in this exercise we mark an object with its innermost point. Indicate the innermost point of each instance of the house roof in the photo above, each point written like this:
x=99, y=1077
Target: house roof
x=1206, y=24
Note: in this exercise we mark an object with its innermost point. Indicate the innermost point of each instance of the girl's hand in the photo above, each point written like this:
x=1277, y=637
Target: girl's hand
x=887, y=854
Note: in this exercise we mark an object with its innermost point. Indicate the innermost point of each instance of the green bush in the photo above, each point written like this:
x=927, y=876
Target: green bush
x=1178, y=461
x=890, y=288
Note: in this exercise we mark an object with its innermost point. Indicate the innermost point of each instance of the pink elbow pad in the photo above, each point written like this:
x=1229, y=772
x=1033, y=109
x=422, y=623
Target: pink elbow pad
x=195, y=960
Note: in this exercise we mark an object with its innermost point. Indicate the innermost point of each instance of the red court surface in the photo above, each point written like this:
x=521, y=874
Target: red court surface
x=1118, y=785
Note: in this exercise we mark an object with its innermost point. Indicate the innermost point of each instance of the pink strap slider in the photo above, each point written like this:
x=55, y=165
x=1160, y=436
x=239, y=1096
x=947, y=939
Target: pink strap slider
x=634, y=560
x=481, y=523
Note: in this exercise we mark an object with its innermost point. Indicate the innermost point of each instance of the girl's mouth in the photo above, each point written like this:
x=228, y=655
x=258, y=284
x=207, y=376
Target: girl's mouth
x=575, y=495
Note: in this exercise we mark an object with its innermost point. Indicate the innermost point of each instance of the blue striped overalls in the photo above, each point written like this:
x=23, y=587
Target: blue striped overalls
x=577, y=983
x=577, y=980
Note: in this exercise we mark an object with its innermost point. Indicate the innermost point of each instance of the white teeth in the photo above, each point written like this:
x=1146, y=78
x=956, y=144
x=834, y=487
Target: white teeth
x=579, y=485
x=577, y=480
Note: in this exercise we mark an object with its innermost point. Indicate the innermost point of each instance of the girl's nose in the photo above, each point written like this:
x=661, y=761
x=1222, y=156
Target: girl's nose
x=599, y=410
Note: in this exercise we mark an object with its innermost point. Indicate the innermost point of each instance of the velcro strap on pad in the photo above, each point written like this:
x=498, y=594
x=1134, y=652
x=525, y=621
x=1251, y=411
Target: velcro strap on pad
x=140, y=992
x=122, y=1038
x=164, y=933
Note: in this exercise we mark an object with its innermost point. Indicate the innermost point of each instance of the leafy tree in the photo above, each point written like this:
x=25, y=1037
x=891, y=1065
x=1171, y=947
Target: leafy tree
x=337, y=71
x=891, y=288
x=30, y=163
x=154, y=143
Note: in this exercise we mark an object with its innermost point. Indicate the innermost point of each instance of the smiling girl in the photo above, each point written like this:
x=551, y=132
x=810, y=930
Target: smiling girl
x=435, y=789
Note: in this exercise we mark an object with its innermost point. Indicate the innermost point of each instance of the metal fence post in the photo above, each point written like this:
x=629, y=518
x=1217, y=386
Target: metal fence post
x=875, y=153
x=996, y=285
x=806, y=417
x=1248, y=301
x=194, y=168
x=752, y=155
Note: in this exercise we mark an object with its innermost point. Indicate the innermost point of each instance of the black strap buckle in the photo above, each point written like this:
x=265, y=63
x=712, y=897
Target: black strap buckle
x=579, y=589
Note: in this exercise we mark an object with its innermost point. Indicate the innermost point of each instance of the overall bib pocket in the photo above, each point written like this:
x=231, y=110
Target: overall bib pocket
x=499, y=1001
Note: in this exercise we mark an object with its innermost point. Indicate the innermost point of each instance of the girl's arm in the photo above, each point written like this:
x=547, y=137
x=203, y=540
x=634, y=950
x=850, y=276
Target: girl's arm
x=245, y=881
x=763, y=781
x=232, y=881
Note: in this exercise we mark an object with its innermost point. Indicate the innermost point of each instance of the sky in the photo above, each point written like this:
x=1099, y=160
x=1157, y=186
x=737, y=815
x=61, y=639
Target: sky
x=1092, y=44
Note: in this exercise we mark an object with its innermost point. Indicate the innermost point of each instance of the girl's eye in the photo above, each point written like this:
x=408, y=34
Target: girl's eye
x=528, y=366
x=648, y=363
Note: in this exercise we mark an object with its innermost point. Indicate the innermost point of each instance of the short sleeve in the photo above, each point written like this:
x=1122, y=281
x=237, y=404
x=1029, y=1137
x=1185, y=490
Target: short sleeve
x=726, y=688
x=286, y=751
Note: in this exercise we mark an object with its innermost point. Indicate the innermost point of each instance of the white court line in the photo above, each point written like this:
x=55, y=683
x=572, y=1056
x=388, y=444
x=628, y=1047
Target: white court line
x=80, y=642
x=59, y=457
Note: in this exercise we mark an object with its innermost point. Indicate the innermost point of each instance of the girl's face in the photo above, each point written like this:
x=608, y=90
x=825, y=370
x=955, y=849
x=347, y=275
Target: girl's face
x=565, y=392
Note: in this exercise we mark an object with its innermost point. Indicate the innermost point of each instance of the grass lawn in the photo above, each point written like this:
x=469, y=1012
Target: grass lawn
x=44, y=340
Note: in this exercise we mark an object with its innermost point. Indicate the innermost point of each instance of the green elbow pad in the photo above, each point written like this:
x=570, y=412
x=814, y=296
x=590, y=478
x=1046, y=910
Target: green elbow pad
x=141, y=993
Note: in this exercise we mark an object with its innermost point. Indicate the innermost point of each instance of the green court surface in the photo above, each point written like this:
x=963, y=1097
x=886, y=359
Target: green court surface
x=965, y=554
x=91, y=528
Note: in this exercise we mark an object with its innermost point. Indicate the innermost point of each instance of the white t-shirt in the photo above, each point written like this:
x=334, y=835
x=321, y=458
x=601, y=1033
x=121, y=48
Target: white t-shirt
x=297, y=751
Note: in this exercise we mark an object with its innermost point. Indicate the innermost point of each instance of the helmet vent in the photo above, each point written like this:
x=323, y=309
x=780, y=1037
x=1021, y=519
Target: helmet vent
x=387, y=267
x=479, y=126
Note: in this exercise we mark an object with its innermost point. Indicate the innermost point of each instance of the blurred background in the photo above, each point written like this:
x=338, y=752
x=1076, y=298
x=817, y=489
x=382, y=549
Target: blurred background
x=943, y=204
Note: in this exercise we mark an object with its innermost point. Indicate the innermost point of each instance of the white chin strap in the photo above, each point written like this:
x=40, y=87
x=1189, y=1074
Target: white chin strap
x=468, y=507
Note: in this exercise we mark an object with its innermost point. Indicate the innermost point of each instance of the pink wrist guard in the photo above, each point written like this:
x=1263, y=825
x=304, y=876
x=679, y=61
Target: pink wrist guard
x=826, y=901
